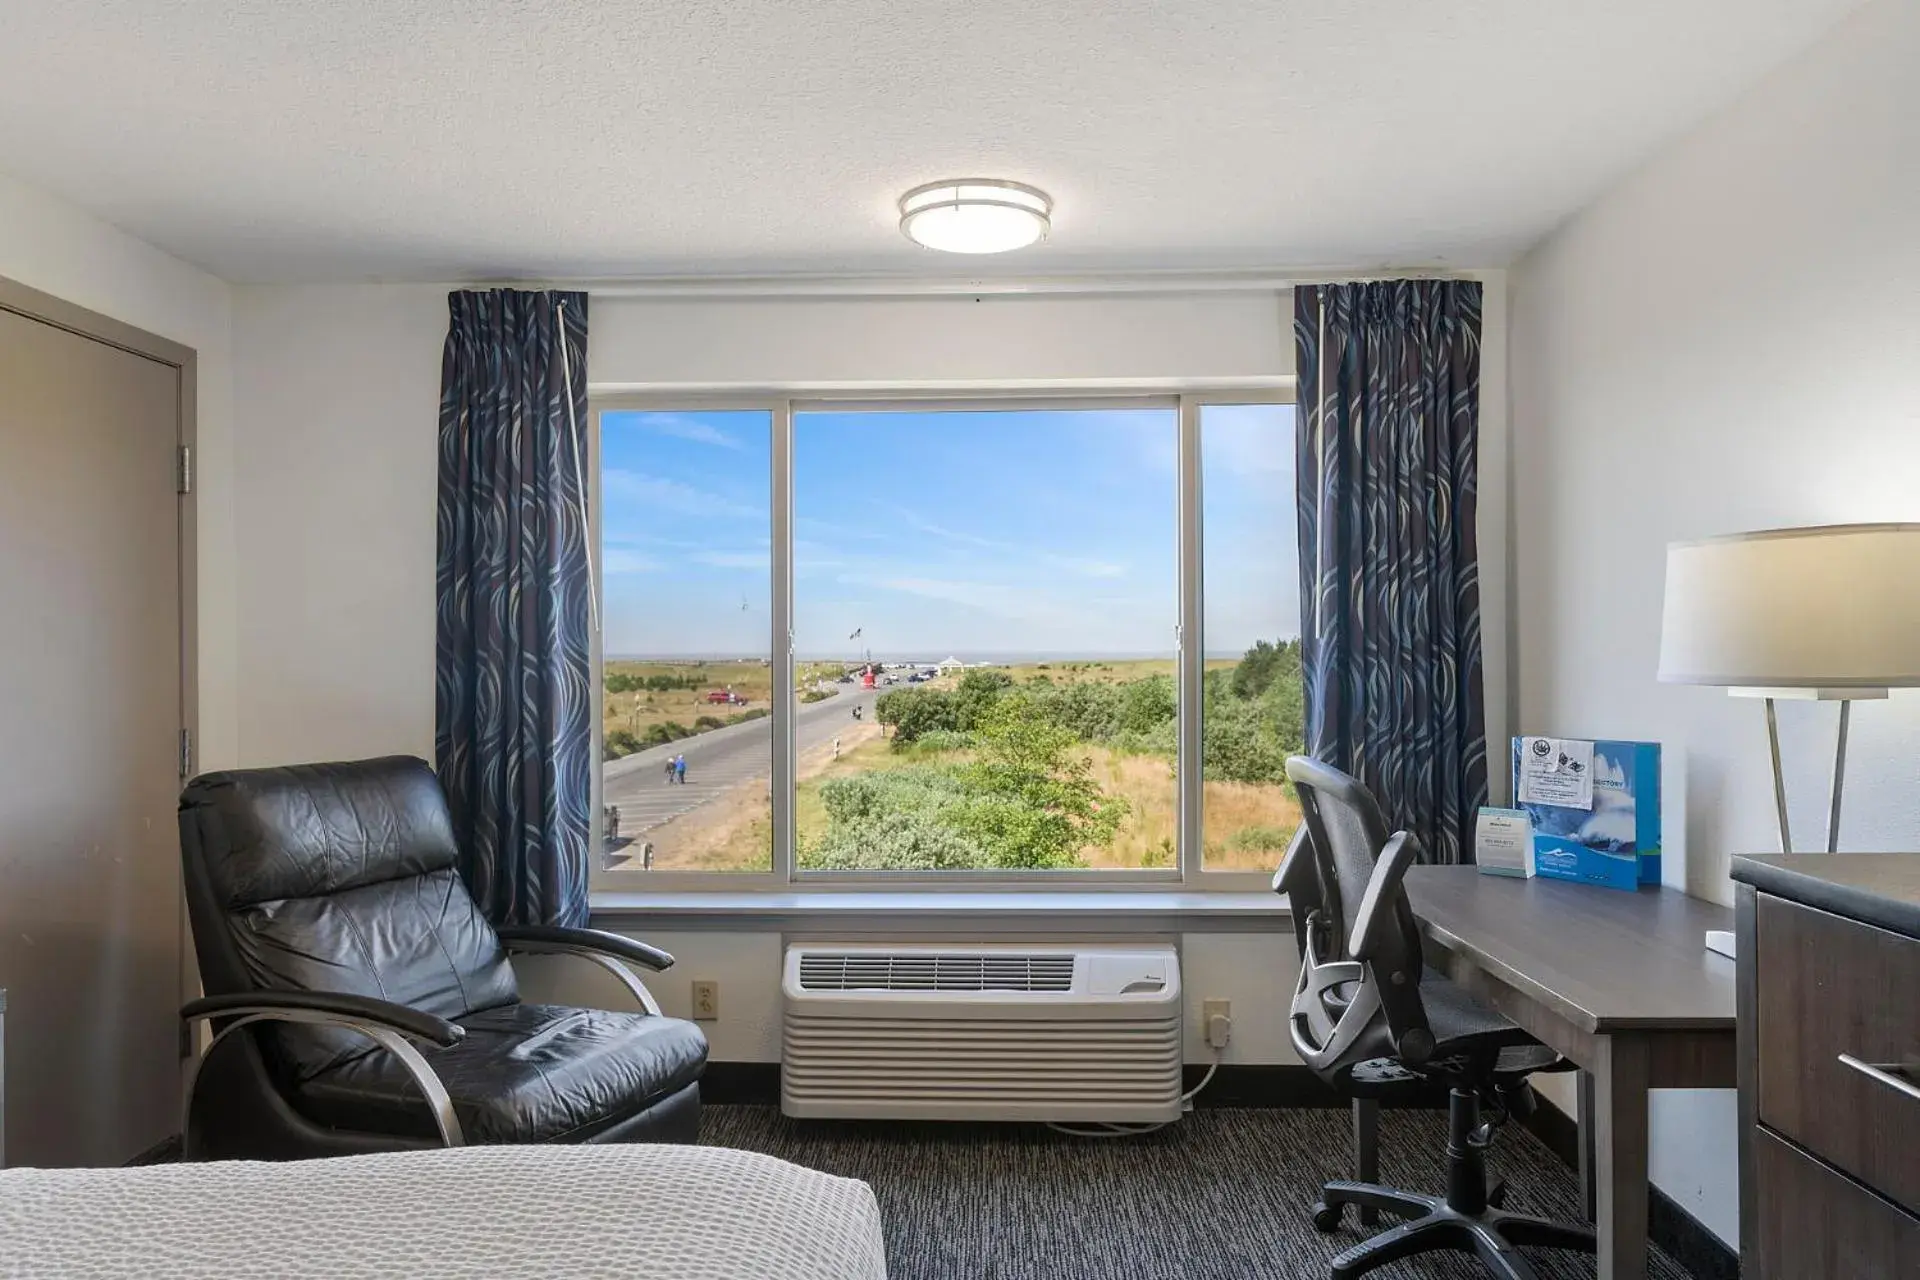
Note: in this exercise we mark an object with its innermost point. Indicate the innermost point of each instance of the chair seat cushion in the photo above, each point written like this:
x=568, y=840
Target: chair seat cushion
x=524, y=1073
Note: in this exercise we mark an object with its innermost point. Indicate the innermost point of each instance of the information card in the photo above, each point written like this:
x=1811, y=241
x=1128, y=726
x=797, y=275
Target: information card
x=1503, y=842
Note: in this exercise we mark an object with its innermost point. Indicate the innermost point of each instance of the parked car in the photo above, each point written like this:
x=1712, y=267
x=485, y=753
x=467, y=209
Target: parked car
x=725, y=697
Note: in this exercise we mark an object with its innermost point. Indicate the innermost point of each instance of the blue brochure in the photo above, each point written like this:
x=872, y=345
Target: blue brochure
x=1595, y=806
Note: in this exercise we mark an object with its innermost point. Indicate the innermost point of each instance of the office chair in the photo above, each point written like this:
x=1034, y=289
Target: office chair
x=362, y=1003
x=1371, y=1020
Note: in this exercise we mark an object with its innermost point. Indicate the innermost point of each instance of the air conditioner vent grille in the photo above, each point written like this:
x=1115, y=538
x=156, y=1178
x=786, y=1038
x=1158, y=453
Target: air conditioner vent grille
x=958, y=971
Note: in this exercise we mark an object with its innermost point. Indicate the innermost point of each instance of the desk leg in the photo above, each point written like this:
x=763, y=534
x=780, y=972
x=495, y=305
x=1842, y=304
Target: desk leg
x=1621, y=1074
x=1366, y=1150
x=1583, y=1115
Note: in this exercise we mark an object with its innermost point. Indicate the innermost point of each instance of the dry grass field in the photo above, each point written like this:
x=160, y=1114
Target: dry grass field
x=638, y=710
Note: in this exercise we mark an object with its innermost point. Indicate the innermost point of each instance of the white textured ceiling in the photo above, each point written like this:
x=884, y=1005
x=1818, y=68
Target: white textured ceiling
x=436, y=139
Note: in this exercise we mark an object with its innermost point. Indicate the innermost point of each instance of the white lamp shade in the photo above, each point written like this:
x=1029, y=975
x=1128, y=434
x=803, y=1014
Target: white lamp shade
x=1830, y=607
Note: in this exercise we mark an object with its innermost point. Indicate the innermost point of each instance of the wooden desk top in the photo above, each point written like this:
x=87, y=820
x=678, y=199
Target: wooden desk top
x=1604, y=959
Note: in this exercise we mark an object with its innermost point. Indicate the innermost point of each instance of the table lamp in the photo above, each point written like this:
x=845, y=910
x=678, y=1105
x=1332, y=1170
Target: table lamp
x=1829, y=613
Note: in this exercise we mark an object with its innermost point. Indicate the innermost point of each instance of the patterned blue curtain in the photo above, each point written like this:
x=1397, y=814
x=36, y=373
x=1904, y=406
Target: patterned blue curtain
x=1389, y=378
x=512, y=677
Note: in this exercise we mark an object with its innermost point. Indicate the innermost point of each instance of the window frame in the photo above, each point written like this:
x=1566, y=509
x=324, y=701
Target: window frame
x=783, y=876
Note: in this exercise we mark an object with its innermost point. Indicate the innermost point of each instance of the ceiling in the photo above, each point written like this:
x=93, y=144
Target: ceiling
x=273, y=140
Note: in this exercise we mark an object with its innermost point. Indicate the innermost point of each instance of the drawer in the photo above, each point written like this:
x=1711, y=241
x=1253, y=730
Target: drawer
x=1838, y=1040
x=1817, y=1225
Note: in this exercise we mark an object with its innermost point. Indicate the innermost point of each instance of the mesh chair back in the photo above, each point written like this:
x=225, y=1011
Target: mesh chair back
x=1340, y=998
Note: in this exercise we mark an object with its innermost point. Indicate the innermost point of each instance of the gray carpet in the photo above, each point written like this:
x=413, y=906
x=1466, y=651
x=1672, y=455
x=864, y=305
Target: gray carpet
x=1222, y=1195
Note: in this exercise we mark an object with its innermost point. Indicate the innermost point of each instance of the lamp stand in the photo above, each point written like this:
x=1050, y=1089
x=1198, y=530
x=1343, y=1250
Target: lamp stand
x=1846, y=699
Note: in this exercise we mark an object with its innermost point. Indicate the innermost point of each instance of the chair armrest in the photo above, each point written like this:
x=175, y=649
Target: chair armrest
x=434, y=1030
x=538, y=939
x=1297, y=876
x=387, y=1024
x=1376, y=914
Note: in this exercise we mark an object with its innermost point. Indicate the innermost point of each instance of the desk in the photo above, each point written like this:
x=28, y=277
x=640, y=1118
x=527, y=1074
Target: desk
x=1620, y=983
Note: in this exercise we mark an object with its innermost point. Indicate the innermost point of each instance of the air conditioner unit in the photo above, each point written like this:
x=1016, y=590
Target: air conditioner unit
x=982, y=1032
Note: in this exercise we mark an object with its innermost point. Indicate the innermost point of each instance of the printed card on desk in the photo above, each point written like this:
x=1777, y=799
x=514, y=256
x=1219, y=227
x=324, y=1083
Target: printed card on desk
x=1503, y=843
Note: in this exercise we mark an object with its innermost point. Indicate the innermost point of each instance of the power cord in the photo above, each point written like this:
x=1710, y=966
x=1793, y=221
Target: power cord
x=1219, y=1027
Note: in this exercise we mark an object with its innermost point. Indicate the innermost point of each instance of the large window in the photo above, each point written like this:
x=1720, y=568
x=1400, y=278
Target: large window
x=966, y=621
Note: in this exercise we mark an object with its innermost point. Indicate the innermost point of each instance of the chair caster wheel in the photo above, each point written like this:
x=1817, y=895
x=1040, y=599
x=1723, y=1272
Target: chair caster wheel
x=1497, y=1195
x=1326, y=1217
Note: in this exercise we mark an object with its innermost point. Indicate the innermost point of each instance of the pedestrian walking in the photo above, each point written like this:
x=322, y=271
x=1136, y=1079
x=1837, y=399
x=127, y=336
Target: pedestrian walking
x=680, y=770
x=669, y=770
x=836, y=747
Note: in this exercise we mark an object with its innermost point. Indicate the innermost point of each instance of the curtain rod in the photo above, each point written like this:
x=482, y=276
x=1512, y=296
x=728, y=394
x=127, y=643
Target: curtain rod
x=897, y=286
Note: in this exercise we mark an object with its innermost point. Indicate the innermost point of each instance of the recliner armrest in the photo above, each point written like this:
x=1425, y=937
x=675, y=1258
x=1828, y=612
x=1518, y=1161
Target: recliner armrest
x=434, y=1030
x=537, y=939
x=1375, y=916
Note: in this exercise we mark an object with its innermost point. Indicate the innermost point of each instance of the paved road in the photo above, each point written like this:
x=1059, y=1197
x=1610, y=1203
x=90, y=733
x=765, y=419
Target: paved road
x=717, y=760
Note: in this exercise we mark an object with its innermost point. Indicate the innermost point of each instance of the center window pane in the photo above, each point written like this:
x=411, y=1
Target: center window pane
x=984, y=625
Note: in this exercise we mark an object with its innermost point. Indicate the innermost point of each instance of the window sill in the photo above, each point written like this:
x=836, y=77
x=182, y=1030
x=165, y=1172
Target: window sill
x=1175, y=911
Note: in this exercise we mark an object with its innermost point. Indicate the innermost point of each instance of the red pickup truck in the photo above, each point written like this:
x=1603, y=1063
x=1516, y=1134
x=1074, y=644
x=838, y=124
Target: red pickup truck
x=725, y=697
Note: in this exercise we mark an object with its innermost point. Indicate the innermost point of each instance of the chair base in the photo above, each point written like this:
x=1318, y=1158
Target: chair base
x=1432, y=1225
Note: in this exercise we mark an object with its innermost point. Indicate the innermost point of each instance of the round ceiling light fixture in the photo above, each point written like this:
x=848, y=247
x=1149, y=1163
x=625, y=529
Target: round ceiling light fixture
x=975, y=215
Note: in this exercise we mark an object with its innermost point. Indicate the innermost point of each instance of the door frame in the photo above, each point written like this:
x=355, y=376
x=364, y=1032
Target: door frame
x=33, y=304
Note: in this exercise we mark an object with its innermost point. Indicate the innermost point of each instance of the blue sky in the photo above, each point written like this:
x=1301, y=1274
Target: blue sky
x=1029, y=531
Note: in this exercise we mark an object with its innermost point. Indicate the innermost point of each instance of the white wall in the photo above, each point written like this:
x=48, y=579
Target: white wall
x=339, y=391
x=1728, y=340
x=995, y=341
x=50, y=245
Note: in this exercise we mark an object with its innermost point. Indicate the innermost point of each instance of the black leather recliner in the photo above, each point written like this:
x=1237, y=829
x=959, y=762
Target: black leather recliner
x=362, y=1003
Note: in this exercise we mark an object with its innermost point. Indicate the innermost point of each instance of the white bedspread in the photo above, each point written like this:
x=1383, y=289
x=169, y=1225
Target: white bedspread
x=637, y=1212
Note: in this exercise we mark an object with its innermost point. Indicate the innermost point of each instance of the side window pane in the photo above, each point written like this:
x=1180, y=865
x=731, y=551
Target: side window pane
x=687, y=678
x=985, y=605
x=1252, y=717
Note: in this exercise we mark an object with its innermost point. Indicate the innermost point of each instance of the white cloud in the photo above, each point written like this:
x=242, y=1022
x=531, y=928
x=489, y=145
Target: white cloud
x=657, y=493
x=1085, y=566
x=682, y=427
x=626, y=560
x=733, y=559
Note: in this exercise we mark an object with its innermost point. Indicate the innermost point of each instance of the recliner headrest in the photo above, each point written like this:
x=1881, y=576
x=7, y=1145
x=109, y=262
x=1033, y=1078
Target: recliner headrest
x=305, y=831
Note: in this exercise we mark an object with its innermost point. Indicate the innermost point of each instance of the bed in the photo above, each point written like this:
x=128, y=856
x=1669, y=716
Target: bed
x=638, y=1212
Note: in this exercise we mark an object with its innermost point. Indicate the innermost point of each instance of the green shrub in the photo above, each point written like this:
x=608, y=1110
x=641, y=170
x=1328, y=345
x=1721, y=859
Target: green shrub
x=901, y=840
x=815, y=695
x=659, y=735
x=741, y=717
x=704, y=723
x=1272, y=840
x=938, y=742
x=913, y=712
x=620, y=742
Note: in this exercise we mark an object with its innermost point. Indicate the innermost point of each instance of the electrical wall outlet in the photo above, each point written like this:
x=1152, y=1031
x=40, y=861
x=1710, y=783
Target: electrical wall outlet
x=1216, y=1022
x=706, y=1000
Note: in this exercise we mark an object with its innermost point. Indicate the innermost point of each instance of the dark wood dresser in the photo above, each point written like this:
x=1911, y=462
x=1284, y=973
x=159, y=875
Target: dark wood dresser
x=1829, y=1063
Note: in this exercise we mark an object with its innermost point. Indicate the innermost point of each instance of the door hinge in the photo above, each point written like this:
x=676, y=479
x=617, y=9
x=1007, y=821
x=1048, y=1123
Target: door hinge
x=186, y=754
x=183, y=469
